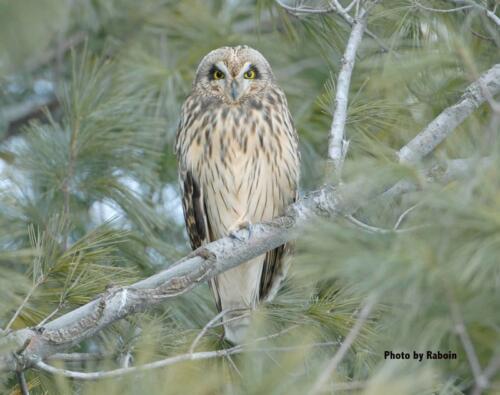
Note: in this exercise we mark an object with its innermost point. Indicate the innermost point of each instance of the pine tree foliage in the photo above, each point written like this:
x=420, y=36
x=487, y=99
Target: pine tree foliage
x=90, y=93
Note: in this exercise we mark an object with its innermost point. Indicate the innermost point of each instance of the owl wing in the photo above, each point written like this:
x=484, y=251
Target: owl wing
x=195, y=217
x=275, y=266
x=274, y=270
x=194, y=209
x=193, y=200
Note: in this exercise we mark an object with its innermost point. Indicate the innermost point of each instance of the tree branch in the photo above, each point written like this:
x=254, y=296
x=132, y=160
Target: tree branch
x=18, y=115
x=35, y=344
x=148, y=366
x=443, y=172
x=335, y=7
x=495, y=19
x=346, y=344
x=337, y=145
x=190, y=356
x=488, y=373
x=446, y=122
x=22, y=383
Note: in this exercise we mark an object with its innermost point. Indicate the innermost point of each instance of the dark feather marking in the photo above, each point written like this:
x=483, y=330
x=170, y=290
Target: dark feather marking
x=197, y=204
x=223, y=199
x=256, y=104
x=265, y=202
x=245, y=143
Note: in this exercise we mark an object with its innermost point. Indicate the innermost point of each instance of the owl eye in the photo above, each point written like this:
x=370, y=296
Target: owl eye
x=217, y=74
x=250, y=74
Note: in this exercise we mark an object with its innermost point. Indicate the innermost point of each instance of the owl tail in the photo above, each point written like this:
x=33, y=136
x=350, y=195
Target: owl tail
x=238, y=292
x=236, y=329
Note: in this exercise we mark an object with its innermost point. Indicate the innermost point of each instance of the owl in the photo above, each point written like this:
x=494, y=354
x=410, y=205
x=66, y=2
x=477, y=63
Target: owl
x=238, y=157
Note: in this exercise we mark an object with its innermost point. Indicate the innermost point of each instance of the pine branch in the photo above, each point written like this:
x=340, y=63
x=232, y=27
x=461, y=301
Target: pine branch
x=52, y=54
x=346, y=344
x=337, y=146
x=190, y=356
x=198, y=267
x=450, y=118
x=22, y=383
x=335, y=7
x=491, y=15
x=17, y=115
x=488, y=85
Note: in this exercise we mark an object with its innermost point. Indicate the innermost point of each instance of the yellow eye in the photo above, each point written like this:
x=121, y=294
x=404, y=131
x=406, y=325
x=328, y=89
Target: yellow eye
x=218, y=75
x=249, y=75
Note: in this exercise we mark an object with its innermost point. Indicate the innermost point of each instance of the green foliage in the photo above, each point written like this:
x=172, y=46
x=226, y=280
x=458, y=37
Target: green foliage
x=89, y=198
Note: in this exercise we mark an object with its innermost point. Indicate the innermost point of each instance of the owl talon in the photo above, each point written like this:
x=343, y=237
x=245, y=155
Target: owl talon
x=233, y=235
x=242, y=224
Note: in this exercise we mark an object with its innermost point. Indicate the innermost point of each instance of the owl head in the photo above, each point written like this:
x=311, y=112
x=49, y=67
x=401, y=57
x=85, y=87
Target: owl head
x=233, y=74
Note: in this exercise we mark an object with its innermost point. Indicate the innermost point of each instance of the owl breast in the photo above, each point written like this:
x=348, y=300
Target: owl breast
x=243, y=157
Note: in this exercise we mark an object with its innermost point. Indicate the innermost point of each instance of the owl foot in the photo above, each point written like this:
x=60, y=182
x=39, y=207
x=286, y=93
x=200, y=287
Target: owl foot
x=242, y=223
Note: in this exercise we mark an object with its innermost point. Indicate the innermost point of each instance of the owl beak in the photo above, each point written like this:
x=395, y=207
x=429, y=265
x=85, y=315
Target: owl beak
x=235, y=90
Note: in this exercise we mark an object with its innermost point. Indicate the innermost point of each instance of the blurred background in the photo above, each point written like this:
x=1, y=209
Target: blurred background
x=90, y=96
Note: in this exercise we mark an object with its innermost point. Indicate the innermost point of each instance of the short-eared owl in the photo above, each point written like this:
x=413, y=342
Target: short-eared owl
x=238, y=164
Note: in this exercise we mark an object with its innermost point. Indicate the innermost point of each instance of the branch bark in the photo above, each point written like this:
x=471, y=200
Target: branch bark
x=337, y=146
x=446, y=122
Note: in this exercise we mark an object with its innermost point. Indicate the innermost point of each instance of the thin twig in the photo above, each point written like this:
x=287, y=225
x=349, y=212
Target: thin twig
x=338, y=9
x=488, y=372
x=62, y=47
x=297, y=347
x=210, y=325
x=86, y=376
x=403, y=216
x=233, y=365
x=56, y=310
x=465, y=7
x=77, y=356
x=470, y=352
x=239, y=317
x=375, y=229
x=342, y=351
x=22, y=383
x=305, y=10
x=148, y=366
x=369, y=228
x=126, y=360
x=348, y=8
x=23, y=304
x=190, y=356
x=490, y=14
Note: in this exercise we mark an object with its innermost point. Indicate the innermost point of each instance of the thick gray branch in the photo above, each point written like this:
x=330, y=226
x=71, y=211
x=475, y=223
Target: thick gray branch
x=442, y=126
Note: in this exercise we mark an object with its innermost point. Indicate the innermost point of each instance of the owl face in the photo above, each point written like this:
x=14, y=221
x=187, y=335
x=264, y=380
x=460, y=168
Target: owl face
x=233, y=74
